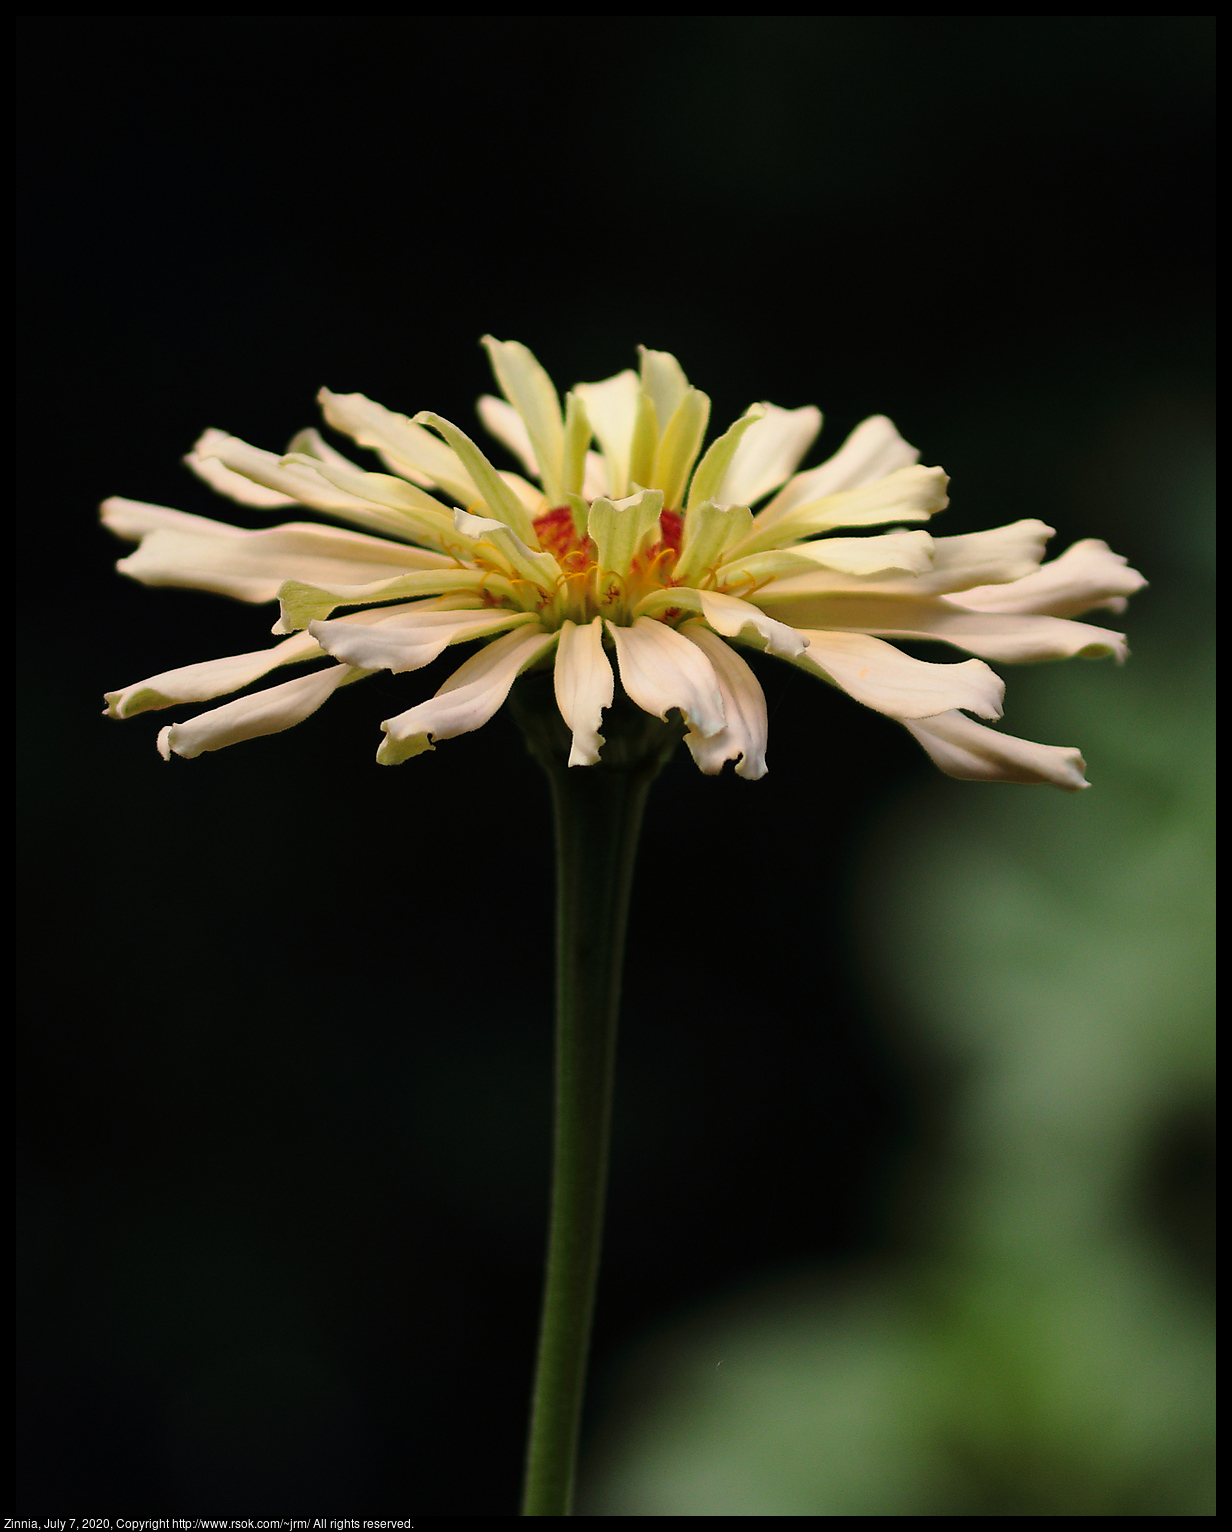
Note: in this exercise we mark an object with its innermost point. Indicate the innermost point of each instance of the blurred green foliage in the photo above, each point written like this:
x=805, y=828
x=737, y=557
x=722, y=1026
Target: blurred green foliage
x=1044, y=1346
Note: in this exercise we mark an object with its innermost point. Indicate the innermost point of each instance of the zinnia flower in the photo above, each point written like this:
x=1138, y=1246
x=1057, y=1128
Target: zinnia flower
x=629, y=554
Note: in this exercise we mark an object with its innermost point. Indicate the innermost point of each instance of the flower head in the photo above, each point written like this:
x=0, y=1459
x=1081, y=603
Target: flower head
x=648, y=553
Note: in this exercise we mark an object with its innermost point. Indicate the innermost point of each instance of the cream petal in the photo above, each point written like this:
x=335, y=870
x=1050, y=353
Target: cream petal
x=768, y=453
x=574, y=456
x=468, y=699
x=404, y=445
x=661, y=671
x=962, y=748
x=611, y=407
x=411, y=640
x=872, y=451
x=209, y=678
x=500, y=500
x=310, y=443
x=906, y=552
x=135, y=519
x=225, y=481
x=266, y=712
x=743, y=735
x=663, y=382
x=417, y=514
x=884, y=678
x=503, y=422
x=302, y=481
x=712, y=469
x=679, y=444
x=253, y=566
x=909, y=494
x=302, y=602
x=584, y=687
x=1010, y=638
x=531, y=392
x=594, y=476
x=532, y=497
x=541, y=569
x=1087, y=576
x=727, y=615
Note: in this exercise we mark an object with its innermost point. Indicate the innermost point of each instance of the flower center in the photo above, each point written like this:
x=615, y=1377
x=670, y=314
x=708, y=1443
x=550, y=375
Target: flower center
x=587, y=590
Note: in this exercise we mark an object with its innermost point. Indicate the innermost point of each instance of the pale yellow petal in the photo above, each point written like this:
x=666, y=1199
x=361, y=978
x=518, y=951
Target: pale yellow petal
x=405, y=446
x=743, y=735
x=468, y=699
x=872, y=451
x=883, y=677
x=1011, y=638
x=411, y=640
x=1087, y=576
x=611, y=407
x=253, y=566
x=768, y=453
x=265, y=712
x=965, y=749
x=531, y=392
x=661, y=671
x=584, y=687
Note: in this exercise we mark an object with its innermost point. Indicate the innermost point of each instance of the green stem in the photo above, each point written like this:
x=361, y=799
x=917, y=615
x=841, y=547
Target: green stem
x=598, y=817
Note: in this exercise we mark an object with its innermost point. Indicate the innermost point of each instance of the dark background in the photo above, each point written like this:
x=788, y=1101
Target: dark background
x=286, y=1015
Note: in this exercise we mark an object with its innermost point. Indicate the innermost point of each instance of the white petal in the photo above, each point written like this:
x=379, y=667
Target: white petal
x=539, y=568
x=500, y=500
x=584, y=687
x=267, y=712
x=884, y=678
x=301, y=602
x=661, y=671
x=595, y=476
x=733, y=618
x=528, y=388
x=468, y=699
x=768, y=453
x=1086, y=576
x=982, y=558
x=663, y=382
x=135, y=519
x=209, y=678
x=891, y=552
x=712, y=469
x=327, y=483
x=743, y=734
x=611, y=407
x=503, y=421
x=872, y=451
x=253, y=566
x=206, y=465
x=405, y=446
x=968, y=750
x=411, y=640
x=1014, y=639
x=908, y=494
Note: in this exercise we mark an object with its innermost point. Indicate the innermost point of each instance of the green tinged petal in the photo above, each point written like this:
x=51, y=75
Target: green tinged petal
x=497, y=495
x=663, y=382
x=531, y=392
x=645, y=444
x=679, y=445
x=709, y=530
x=713, y=467
x=620, y=528
x=577, y=440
